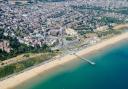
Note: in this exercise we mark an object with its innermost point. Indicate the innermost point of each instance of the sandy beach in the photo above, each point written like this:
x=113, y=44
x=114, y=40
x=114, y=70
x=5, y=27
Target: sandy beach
x=20, y=78
x=120, y=26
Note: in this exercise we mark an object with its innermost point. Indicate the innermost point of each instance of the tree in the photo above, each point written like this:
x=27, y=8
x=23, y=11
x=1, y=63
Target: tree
x=1, y=33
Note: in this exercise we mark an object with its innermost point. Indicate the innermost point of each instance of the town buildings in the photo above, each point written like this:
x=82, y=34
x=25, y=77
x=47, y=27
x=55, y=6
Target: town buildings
x=40, y=23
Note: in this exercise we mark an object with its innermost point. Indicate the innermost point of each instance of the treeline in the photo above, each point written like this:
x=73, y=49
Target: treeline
x=18, y=48
x=109, y=32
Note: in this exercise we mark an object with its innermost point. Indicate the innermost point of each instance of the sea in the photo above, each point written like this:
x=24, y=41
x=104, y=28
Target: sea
x=109, y=72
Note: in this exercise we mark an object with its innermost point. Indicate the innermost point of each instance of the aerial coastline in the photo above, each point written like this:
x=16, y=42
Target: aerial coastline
x=41, y=35
x=50, y=28
x=12, y=81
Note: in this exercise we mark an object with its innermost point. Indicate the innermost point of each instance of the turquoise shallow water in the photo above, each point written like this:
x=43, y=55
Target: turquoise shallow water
x=110, y=72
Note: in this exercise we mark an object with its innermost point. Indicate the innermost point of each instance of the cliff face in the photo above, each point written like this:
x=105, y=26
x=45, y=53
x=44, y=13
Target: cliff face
x=5, y=46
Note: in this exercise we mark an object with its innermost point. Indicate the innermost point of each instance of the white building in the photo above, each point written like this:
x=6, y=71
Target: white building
x=71, y=32
x=102, y=28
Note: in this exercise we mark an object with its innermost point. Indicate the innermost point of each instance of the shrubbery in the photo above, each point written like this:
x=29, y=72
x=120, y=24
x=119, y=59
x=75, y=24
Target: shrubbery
x=20, y=66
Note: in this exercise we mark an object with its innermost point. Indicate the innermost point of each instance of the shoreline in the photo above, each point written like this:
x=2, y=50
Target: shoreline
x=20, y=78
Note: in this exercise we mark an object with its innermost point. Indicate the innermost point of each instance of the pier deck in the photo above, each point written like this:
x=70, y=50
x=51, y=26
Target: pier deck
x=90, y=62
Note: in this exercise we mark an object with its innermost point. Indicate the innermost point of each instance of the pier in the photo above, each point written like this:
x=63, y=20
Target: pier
x=90, y=62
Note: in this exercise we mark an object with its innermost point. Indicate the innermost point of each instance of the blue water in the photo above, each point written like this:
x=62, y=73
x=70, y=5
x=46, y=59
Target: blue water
x=110, y=72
